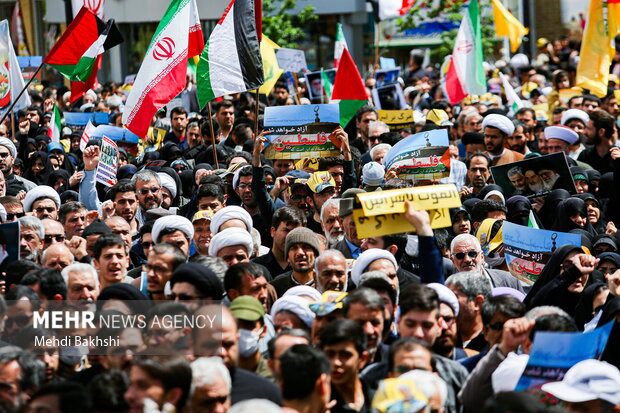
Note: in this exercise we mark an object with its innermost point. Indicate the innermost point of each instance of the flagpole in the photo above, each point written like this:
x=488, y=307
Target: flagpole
x=12, y=125
x=21, y=93
x=376, y=48
x=217, y=166
x=256, y=117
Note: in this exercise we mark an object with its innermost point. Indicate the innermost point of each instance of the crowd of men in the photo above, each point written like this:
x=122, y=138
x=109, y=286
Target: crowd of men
x=309, y=316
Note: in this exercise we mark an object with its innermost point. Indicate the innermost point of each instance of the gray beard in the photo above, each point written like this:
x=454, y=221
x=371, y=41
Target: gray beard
x=331, y=241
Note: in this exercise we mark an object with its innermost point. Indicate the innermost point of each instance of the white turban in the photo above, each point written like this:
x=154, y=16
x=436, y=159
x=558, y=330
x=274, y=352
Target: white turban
x=446, y=296
x=365, y=259
x=563, y=133
x=168, y=182
x=497, y=194
x=303, y=291
x=172, y=222
x=7, y=143
x=574, y=114
x=228, y=213
x=230, y=237
x=500, y=122
x=297, y=305
x=42, y=191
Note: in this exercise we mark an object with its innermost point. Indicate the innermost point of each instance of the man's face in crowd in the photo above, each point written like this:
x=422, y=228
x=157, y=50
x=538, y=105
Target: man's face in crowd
x=576, y=103
x=473, y=124
x=178, y=122
x=244, y=190
x=444, y=344
x=364, y=122
x=423, y=325
x=202, y=236
x=527, y=118
x=281, y=94
x=15, y=211
x=11, y=396
x=75, y=222
x=577, y=126
x=301, y=257
x=225, y=117
x=54, y=233
x=194, y=138
x=317, y=200
x=149, y=194
x=345, y=362
x=30, y=244
x=179, y=239
x=282, y=166
x=126, y=205
x=282, y=343
x=121, y=357
x=592, y=137
x=417, y=358
x=158, y=271
x=57, y=257
x=6, y=160
x=332, y=274
x=234, y=254
x=478, y=172
x=219, y=341
x=331, y=225
x=493, y=140
x=255, y=287
x=82, y=287
x=120, y=227
x=112, y=264
x=211, y=398
x=33, y=115
x=387, y=267
x=299, y=198
x=371, y=322
x=467, y=263
x=493, y=330
x=209, y=203
x=348, y=225
x=142, y=386
x=378, y=155
x=517, y=140
x=557, y=145
x=279, y=234
x=45, y=208
x=590, y=105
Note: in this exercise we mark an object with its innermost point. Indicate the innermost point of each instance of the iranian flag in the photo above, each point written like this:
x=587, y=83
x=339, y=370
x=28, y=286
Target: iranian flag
x=349, y=91
x=388, y=9
x=53, y=131
x=162, y=74
x=466, y=75
x=339, y=46
x=76, y=53
x=231, y=61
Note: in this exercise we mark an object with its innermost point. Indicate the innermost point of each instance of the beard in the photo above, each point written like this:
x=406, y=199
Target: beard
x=551, y=181
x=537, y=187
x=334, y=237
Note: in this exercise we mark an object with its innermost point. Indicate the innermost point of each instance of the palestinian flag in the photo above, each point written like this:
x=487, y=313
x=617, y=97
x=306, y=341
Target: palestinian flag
x=87, y=37
x=53, y=131
x=466, y=75
x=348, y=89
x=163, y=72
x=231, y=61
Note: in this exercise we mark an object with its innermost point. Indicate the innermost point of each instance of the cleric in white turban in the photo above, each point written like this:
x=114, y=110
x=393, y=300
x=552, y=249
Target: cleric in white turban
x=500, y=122
x=231, y=213
x=40, y=192
x=230, y=237
x=562, y=133
x=168, y=183
x=368, y=257
x=298, y=306
x=577, y=114
x=172, y=223
x=304, y=291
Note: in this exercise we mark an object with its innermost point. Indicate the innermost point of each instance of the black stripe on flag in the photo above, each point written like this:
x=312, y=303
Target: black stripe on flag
x=248, y=47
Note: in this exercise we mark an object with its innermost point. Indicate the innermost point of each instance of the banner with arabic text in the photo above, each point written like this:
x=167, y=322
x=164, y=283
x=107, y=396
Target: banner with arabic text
x=301, y=131
x=527, y=250
x=420, y=157
x=397, y=120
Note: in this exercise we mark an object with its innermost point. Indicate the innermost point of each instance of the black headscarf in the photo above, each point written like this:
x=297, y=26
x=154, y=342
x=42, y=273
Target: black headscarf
x=601, y=225
x=41, y=177
x=567, y=209
x=519, y=208
x=57, y=174
x=549, y=210
x=584, y=310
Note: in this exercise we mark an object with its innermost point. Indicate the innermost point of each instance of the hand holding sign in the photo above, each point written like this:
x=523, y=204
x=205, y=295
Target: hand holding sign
x=91, y=158
x=419, y=219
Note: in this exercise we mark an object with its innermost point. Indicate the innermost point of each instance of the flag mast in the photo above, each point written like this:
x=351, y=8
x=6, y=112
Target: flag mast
x=21, y=93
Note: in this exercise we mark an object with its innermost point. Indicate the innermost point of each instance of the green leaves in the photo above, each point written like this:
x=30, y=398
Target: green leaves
x=281, y=26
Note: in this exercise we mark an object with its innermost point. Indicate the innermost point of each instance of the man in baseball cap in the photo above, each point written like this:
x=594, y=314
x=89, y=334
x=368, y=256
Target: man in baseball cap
x=250, y=315
x=322, y=187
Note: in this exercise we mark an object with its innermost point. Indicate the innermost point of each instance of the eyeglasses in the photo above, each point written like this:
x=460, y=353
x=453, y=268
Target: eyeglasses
x=497, y=326
x=40, y=210
x=470, y=254
x=11, y=216
x=147, y=244
x=4, y=154
x=183, y=297
x=58, y=238
x=243, y=187
x=152, y=190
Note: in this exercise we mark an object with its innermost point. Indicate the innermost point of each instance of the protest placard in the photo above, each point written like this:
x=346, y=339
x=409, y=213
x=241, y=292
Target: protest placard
x=385, y=77
x=534, y=177
x=389, y=97
x=527, y=250
x=382, y=212
x=301, y=131
x=397, y=120
x=553, y=353
x=421, y=156
x=108, y=162
x=292, y=60
x=314, y=82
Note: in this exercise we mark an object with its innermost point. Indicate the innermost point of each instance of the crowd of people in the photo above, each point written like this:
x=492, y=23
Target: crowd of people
x=309, y=317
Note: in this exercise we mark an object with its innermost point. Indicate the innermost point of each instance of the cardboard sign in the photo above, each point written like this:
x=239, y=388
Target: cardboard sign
x=389, y=97
x=108, y=162
x=385, y=77
x=301, y=131
x=382, y=213
x=527, y=250
x=422, y=156
x=292, y=60
x=397, y=120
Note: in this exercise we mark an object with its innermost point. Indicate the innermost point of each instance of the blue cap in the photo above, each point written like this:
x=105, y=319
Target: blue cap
x=55, y=145
x=298, y=174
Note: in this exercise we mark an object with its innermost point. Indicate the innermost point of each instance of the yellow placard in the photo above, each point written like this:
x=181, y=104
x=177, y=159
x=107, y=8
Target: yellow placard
x=392, y=117
x=386, y=224
x=423, y=197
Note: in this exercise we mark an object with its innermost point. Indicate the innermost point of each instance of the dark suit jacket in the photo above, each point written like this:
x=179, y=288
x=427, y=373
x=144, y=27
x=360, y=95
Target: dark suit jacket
x=344, y=248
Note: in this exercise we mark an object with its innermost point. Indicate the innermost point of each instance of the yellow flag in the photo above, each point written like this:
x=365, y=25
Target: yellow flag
x=597, y=47
x=507, y=25
x=270, y=65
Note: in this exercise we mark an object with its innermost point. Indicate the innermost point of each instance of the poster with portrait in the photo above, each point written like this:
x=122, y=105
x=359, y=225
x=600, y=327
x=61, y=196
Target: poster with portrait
x=314, y=82
x=9, y=243
x=534, y=177
x=385, y=77
x=389, y=97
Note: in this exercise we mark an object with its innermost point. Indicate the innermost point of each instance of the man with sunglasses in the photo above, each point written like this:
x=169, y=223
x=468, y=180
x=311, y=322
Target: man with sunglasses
x=8, y=155
x=54, y=233
x=148, y=191
x=466, y=254
x=13, y=206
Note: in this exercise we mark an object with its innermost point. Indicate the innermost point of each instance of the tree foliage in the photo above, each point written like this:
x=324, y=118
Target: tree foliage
x=281, y=26
x=451, y=10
